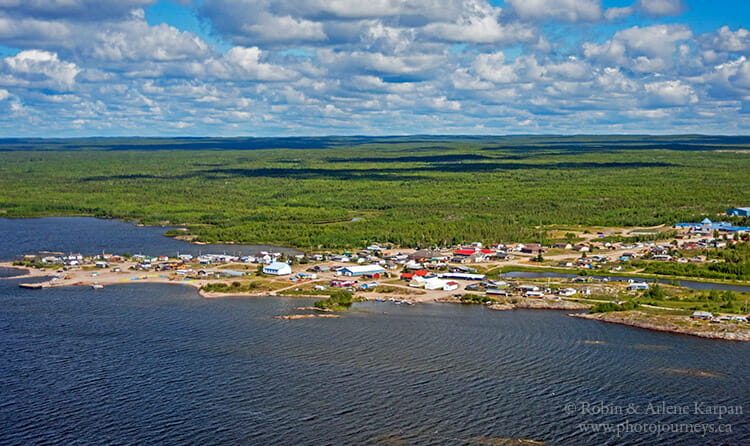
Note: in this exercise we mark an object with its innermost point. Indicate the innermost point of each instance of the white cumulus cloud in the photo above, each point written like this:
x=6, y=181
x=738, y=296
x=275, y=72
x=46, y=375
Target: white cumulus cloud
x=649, y=48
x=42, y=66
x=661, y=8
x=560, y=10
x=670, y=93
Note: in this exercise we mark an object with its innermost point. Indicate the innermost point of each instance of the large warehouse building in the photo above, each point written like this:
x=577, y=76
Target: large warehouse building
x=739, y=212
x=363, y=270
x=277, y=269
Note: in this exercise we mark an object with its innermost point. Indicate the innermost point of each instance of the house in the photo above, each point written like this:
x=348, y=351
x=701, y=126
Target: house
x=470, y=255
x=533, y=248
x=464, y=276
x=277, y=269
x=739, y=212
x=426, y=255
x=463, y=269
x=375, y=271
x=342, y=283
x=567, y=292
x=231, y=273
x=705, y=315
x=497, y=292
x=562, y=246
x=465, y=252
x=638, y=286
x=450, y=285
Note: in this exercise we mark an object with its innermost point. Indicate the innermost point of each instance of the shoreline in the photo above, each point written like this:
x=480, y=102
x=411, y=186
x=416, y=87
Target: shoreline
x=667, y=324
x=637, y=319
x=623, y=275
x=539, y=304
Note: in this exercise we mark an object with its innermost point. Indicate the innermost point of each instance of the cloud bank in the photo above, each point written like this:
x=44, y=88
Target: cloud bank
x=311, y=67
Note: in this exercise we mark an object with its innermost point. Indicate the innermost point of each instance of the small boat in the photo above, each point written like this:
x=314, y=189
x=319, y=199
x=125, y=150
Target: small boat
x=97, y=286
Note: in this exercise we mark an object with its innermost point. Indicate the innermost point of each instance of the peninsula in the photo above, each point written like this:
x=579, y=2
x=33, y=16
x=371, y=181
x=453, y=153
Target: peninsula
x=606, y=273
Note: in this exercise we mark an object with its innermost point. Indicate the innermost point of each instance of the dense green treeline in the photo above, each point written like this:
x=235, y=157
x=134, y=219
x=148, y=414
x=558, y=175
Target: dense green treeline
x=411, y=191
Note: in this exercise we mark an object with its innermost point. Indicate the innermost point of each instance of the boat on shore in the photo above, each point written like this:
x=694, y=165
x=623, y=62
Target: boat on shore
x=31, y=286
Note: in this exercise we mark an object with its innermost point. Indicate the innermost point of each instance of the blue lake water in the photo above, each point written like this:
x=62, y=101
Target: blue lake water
x=145, y=364
x=90, y=236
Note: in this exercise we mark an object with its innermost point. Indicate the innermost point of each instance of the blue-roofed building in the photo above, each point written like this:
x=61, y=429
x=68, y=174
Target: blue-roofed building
x=707, y=226
x=739, y=212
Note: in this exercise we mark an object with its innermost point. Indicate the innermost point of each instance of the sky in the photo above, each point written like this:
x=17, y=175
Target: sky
x=72, y=68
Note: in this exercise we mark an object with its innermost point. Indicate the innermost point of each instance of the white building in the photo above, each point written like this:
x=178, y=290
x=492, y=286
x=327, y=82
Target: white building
x=638, y=286
x=277, y=269
x=450, y=285
x=433, y=283
x=360, y=270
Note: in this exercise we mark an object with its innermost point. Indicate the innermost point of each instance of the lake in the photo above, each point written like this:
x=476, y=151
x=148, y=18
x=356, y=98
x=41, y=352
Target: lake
x=151, y=363
x=91, y=236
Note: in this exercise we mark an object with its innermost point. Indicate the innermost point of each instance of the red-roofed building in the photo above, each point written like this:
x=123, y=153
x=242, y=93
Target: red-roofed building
x=487, y=251
x=464, y=252
x=450, y=286
x=422, y=273
x=407, y=276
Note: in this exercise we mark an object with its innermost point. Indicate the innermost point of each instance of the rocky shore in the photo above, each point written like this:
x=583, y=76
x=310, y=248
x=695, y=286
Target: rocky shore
x=538, y=304
x=291, y=317
x=671, y=324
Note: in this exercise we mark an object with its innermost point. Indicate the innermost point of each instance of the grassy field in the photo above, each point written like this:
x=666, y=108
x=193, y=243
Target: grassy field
x=314, y=193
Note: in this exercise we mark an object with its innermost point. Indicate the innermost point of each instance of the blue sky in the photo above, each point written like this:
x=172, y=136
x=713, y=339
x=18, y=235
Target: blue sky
x=375, y=67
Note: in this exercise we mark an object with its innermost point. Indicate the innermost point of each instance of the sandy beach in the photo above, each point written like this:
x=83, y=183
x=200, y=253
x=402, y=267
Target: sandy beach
x=89, y=277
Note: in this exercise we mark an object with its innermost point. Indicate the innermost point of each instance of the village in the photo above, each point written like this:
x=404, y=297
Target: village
x=469, y=274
